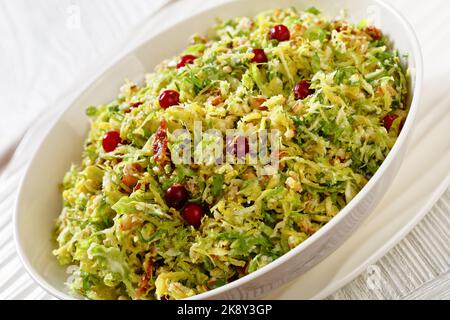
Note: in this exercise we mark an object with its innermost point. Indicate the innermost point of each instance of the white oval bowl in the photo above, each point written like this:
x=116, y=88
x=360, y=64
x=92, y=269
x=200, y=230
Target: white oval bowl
x=39, y=201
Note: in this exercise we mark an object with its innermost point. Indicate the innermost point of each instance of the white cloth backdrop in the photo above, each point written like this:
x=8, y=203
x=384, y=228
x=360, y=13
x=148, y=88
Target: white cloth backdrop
x=47, y=44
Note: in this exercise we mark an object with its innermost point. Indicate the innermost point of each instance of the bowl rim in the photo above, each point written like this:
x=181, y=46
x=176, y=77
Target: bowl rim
x=416, y=93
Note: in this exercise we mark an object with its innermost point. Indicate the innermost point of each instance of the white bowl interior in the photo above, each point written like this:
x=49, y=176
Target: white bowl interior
x=39, y=200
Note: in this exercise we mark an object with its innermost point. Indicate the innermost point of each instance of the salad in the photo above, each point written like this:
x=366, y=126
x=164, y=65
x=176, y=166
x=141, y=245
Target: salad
x=136, y=224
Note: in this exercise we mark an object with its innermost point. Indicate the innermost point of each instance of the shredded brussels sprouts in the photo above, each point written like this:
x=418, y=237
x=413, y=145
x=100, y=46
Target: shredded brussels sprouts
x=337, y=94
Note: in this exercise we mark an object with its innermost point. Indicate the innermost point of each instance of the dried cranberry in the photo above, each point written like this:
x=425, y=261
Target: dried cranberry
x=133, y=106
x=389, y=120
x=302, y=90
x=193, y=214
x=187, y=59
x=176, y=196
x=111, y=140
x=169, y=98
x=280, y=32
x=260, y=56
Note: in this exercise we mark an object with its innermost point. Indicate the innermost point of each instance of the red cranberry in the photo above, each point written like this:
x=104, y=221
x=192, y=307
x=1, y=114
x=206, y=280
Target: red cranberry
x=260, y=56
x=111, y=140
x=302, y=90
x=187, y=59
x=193, y=214
x=280, y=32
x=388, y=121
x=169, y=98
x=176, y=196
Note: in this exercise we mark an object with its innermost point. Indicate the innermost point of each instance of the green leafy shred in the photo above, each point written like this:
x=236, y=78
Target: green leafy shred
x=313, y=10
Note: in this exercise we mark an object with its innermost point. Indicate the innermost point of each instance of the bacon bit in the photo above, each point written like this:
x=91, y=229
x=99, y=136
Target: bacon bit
x=129, y=180
x=212, y=282
x=256, y=102
x=203, y=287
x=137, y=167
x=216, y=101
x=307, y=227
x=146, y=277
x=374, y=32
x=160, y=149
x=137, y=187
x=149, y=269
